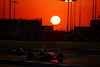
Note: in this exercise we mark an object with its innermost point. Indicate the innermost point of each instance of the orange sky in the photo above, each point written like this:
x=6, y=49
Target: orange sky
x=45, y=9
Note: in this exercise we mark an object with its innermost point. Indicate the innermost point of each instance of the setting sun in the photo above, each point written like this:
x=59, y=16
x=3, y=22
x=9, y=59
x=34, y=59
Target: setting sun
x=67, y=0
x=55, y=20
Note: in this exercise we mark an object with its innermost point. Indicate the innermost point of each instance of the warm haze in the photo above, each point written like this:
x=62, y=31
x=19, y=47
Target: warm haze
x=45, y=9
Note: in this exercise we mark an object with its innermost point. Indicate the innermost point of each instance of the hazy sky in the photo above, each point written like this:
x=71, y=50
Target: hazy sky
x=45, y=9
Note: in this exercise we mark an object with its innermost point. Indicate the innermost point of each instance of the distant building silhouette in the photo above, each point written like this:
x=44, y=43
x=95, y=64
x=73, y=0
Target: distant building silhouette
x=33, y=30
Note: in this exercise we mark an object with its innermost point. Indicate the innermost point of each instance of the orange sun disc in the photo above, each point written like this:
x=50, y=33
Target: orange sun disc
x=55, y=20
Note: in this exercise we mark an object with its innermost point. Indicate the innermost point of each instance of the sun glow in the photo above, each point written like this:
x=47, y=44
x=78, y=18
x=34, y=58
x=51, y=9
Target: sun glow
x=67, y=0
x=55, y=20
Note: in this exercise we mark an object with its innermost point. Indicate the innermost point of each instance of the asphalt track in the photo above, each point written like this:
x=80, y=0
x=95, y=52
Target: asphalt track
x=49, y=44
x=71, y=61
x=34, y=63
x=89, y=52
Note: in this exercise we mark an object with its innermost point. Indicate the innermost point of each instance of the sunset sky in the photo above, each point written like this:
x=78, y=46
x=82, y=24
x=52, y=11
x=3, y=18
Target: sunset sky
x=45, y=9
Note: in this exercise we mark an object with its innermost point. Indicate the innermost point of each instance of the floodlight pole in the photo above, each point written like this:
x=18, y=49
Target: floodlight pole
x=71, y=16
x=14, y=11
x=14, y=3
x=80, y=14
x=68, y=16
x=93, y=11
x=4, y=9
x=75, y=15
x=9, y=9
x=95, y=8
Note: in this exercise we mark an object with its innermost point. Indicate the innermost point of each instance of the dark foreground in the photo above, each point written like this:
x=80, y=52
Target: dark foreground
x=70, y=62
x=17, y=62
x=78, y=53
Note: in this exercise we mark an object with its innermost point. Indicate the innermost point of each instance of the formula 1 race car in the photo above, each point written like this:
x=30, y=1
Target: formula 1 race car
x=16, y=51
x=45, y=56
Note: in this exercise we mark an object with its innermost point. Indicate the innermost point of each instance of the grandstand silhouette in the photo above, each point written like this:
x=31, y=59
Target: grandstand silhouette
x=33, y=30
x=10, y=29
